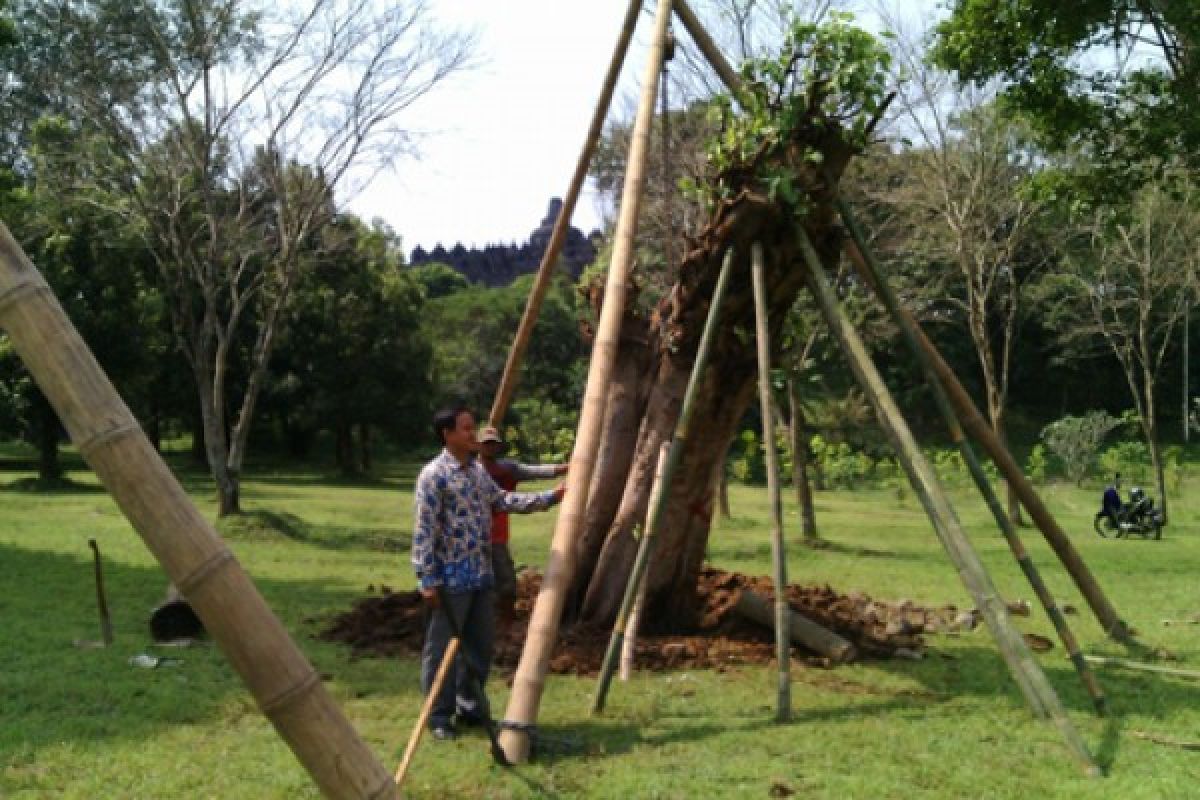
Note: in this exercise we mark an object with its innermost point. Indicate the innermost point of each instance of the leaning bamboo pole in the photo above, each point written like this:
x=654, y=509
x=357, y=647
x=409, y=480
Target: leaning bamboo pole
x=887, y=296
x=979, y=430
x=545, y=270
x=658, y=509
x=783, y=649
x=629, y=644
x=529, y=681
x=707, y=46
x=287, y=688
x=1028, y=674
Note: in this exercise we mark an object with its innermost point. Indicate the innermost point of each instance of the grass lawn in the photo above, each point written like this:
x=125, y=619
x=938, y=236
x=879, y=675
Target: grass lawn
x=78, y=723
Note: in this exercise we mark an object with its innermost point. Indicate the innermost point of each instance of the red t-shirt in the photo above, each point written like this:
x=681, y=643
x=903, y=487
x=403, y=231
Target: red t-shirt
x=506, y=479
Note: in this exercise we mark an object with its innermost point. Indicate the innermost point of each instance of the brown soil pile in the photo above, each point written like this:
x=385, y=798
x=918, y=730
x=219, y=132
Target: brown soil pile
x=390, y=623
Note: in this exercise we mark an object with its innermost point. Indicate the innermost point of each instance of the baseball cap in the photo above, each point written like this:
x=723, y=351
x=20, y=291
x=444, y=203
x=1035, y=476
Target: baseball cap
x=488, y=433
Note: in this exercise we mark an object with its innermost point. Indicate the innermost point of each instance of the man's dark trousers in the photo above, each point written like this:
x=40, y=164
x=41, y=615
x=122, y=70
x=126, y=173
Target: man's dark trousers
x=475, y=613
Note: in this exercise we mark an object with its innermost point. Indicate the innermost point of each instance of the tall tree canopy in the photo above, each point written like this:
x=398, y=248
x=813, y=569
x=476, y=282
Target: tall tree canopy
x=1117, y=77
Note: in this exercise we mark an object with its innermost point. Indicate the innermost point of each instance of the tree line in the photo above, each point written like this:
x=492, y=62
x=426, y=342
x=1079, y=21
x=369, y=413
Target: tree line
x=176, y=169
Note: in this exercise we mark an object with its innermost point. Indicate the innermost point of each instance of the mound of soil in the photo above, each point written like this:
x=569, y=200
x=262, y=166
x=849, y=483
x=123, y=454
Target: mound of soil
x=387, y=623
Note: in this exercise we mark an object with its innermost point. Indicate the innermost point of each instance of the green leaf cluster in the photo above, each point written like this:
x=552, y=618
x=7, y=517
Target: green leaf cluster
x=825, y=84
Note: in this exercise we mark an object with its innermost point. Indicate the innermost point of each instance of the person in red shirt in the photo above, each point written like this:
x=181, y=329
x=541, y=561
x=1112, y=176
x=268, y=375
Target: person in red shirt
x=507, y=473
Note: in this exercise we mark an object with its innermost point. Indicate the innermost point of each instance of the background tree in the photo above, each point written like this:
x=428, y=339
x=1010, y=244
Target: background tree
x=352, y=358
x=1128, y=281
x=246, y=121
x=963, y=217
x=1115, y=78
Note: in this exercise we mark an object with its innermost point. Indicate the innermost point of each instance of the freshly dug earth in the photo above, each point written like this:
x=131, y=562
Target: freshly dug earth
x=391, y=623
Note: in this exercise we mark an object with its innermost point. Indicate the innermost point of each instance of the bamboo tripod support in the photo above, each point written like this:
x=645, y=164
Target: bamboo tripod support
x=658, y=508
x=1028, y=674
x=529, y=681
x=887, y=296
x=981, y=432
x=287, y=688
x=783, y=645
x=558, y=235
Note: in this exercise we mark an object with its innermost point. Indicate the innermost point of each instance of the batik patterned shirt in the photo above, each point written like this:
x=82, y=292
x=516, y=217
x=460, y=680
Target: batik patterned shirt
x=452, y=534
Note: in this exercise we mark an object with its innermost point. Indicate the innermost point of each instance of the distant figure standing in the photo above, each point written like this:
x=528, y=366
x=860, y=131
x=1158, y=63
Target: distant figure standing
x=451, y=556
x=507, y=473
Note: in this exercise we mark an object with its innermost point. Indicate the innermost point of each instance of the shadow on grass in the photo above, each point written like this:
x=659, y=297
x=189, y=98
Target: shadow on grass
x=62, y=485
x=264, y=525
x=53, y=692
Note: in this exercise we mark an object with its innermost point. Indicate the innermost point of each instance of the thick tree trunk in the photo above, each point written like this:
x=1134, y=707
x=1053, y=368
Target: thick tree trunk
x=621, y=483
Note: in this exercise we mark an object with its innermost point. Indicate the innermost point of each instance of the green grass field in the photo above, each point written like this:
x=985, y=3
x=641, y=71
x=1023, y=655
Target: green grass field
x=78, y=723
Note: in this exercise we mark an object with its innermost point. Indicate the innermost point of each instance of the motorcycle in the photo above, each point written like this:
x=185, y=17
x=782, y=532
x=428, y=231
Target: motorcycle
x=1138, y=517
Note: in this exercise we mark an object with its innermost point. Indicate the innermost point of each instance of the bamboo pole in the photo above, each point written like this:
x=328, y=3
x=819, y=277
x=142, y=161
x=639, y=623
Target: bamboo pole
x=629, y=645
x=801, y=630
x=707, y=46
x=1025, y=670
x=1123, y=663
x=982, y=432
x=287, y=688
x=887, y=296
x=426, y=710
x=783, y=708
x=658, y=510
x=541, y=283
x=529, y=681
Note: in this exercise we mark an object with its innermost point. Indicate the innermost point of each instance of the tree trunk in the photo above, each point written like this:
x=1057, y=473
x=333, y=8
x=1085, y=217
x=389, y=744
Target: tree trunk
x=723, y=490
x=343, y=447
x=621, y=483
x=364, y=447
x=48, y=433
x=808, y=516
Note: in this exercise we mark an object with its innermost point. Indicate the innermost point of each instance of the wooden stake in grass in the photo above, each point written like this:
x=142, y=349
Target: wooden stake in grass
x=287, y=688
x=783, y=647
x=106, y=631
x=1028, y=674
x=529, y=681
x=537, y=292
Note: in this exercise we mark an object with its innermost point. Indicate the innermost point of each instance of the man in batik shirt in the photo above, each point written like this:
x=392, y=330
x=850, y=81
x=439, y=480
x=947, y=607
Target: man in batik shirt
x=451, y=554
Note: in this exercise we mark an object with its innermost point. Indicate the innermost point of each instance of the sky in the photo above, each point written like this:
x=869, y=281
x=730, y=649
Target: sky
x=501, y=140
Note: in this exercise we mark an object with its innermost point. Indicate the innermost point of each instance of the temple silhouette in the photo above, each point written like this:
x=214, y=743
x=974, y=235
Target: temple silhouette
x=500, y=265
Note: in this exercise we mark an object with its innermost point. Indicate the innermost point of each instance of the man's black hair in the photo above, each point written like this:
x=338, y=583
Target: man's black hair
x=447, y=420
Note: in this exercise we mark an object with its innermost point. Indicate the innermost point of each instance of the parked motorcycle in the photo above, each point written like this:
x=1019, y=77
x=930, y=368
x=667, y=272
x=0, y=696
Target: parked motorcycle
x=1138, y=517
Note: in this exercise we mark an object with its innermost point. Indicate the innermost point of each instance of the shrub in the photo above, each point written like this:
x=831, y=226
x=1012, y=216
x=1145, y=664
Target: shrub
x=1076, y=440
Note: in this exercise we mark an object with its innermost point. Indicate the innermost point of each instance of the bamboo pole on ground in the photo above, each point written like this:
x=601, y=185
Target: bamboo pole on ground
x=658, y=510
x=979, y=430
x=629, y=644
x=783, y=708
x=801, y=630
x=1123, y=663
x=541, y=283
x=883, y=290
x=1028, y=674
x=529, y=681
x=287, y=688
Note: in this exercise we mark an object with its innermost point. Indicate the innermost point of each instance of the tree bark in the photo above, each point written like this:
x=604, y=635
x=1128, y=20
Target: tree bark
x=808, y=516
x=662, y=371
x=48, y=434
